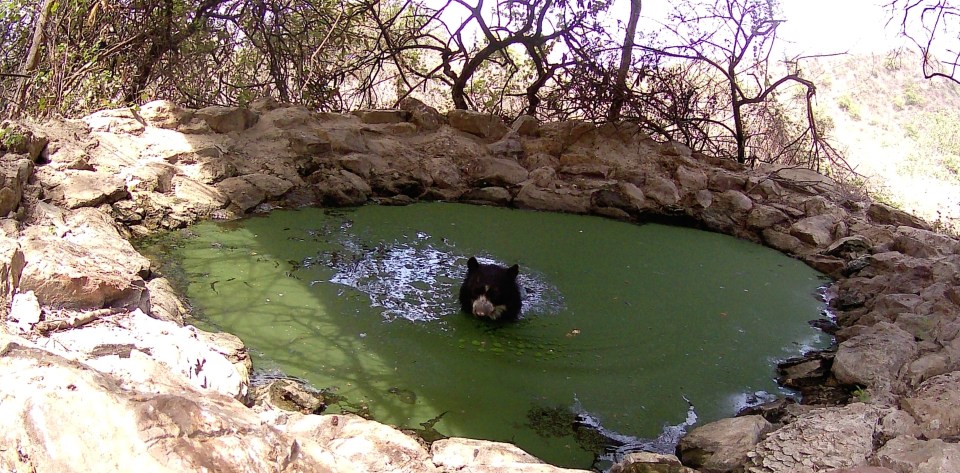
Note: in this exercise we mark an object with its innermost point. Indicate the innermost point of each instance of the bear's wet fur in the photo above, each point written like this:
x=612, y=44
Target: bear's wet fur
x=491, y=291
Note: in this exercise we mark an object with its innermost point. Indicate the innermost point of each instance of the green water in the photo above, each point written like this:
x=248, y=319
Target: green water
x=622, y=324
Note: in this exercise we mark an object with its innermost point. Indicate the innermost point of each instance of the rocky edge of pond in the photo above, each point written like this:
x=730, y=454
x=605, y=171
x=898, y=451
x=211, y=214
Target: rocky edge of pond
x=101, y=370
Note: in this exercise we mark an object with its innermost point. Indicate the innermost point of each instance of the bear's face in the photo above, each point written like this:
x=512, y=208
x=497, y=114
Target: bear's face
x=490, y=291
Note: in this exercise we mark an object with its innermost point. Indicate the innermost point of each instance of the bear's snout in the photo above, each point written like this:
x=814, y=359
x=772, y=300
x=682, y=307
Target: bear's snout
x=482, y=307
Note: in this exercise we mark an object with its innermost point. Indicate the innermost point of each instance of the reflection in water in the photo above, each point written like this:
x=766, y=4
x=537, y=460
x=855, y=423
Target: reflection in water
x=624, y=328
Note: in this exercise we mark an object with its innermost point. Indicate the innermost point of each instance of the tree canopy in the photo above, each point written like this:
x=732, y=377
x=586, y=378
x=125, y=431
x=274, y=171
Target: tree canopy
x=707, y=78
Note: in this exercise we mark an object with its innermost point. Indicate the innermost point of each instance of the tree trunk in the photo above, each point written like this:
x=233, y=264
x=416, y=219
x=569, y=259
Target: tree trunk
x=626, y=56
x=33, y=56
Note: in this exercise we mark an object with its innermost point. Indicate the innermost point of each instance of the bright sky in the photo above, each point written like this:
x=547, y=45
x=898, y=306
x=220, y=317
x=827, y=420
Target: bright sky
x=812, y=26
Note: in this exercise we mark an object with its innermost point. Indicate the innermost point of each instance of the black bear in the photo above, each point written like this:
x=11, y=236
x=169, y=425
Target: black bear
x=491, y=291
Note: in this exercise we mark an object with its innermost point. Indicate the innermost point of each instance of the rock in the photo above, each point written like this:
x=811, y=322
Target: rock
x=498, y=172
x=556, y=200
x=835, y=437
x=342, y=189
x=817, y=230
x=362, y=445
x=11, y=265
x=165, y=304
x=249, y=190
x=227, y=119
x=483, y=125
x=874, y=357
x=88, y=189
x=509, y=147
x=118, y=121
x=855, y=245
x=107, y=347
x=648, y=462
x=114, y=426
x=89, y=267
x=492, y=195
x=424, y=116
x=526, y=125
x=482, y=456
x=764, y=216
x=907, y=454
x=25, y=311
x=805, y=180
x=883, y=214
x=661, y=190
x=289, y=395
x=781, y=241
x=722, y=446
x=936, y=406
x=690, y=180
x=726, y=210
x=377, y=117
x=898, y=423
x=164, y=114
x=924, y=243
x=675, y=148
x=14, y=175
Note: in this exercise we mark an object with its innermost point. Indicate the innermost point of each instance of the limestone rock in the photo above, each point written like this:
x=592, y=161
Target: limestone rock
x=661, y=190
x=649, y=462
x=556, y=200
x=526, y=125
x=107, y=347
x=907, y=454
x=14, y=174
x=765, y=216
x=886, y=215
x=817, y=230
x=423, y=115
x=24, y=311
x=362, y=445
x=11, y=265
x=227, y=119
x=89, y=267
x=75, y=418
x=723, y=445
x=498, y=172
x=377, y=117
x=492, y=195
x=118, y=121
x=88, y=189
x=249, y=190
x=874, y=357
x=482, y=456
x=342, y=188
x=164, y=114
x=936, y=406
x=164, y=302
x=836, y=437
x=483, y=125
x=924, y=243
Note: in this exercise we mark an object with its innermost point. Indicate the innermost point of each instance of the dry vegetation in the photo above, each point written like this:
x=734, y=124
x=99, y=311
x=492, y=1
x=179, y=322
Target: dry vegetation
x=899, y=131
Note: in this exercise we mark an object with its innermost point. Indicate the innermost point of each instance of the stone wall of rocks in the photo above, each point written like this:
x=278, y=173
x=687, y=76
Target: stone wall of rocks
x=92, y=333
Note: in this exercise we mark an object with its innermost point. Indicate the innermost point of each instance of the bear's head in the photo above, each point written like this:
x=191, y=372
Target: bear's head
x=491, y=291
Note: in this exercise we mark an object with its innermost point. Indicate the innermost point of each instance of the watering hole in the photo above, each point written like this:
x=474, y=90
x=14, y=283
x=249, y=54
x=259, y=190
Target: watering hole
x=629, y=334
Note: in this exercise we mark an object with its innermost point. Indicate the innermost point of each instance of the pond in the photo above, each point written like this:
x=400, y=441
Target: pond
x=629, y=333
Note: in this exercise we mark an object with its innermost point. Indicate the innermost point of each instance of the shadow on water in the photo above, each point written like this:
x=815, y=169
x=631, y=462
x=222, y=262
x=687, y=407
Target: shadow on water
x=629, y=335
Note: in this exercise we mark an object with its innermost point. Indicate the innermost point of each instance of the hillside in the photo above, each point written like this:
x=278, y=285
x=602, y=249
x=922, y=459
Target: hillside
x=901, y=132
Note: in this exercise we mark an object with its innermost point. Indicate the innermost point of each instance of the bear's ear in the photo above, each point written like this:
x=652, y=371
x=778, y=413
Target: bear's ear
x=472, y=264
x=513, y=271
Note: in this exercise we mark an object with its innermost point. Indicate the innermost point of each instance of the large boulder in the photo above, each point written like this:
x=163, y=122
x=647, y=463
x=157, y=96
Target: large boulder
x=74, y=418
x=723, y=445
x=819, y=440
x=14, y=174
x=874, y=358
x=936, y=406
x=482, y=456
x=88, y=265
x=907, y=454
x=483, y=125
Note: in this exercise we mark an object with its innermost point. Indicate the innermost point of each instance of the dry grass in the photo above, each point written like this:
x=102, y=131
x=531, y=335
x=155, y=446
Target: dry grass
x=898, y=130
